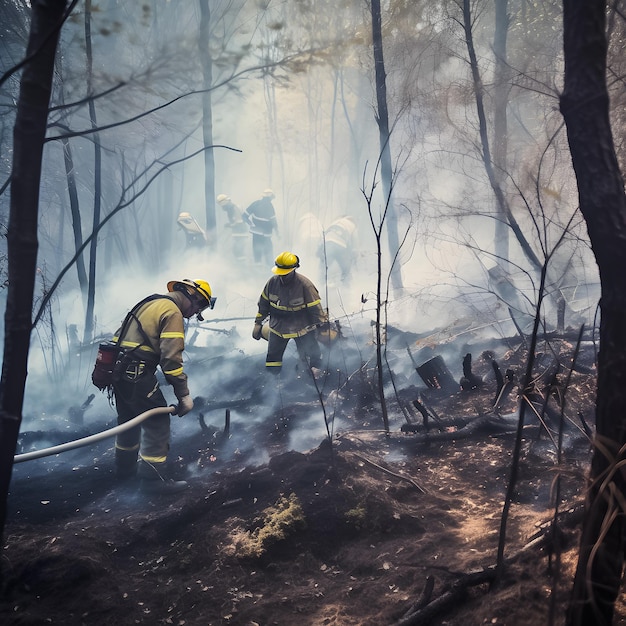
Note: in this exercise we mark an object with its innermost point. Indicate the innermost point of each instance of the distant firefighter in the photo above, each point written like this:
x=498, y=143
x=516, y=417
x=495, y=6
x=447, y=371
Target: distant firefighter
x=239, y=233
x=194, y=234
x=261, y=218
x=293, y=305
x=338, y=246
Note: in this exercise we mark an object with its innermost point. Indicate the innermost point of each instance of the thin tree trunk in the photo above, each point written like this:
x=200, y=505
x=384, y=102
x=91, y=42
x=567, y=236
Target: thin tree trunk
x=484, y=139
x=585, y=108
x=384, y=137
x=77, y=227
x=28, y=139
x=500, y=126
x=97, y=182
x=207, y=120
x=72, y=192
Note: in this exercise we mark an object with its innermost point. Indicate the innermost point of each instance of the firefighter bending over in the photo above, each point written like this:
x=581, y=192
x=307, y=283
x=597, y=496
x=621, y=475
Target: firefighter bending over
x=338, y=246
x=154, y=335
x=194, y=234
x=293, y=305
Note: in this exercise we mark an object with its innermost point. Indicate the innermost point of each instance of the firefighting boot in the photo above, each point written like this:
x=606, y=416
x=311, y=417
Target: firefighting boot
x=125, y=463
x=153, y=481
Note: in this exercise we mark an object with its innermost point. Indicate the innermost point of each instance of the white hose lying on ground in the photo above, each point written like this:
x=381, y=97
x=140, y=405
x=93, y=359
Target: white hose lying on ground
x=85, y=441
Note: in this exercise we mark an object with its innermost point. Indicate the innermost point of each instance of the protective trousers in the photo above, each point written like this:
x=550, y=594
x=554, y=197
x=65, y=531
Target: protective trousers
x=262, y=250
x=308, y=349
x=341, y=256
x=150, y=439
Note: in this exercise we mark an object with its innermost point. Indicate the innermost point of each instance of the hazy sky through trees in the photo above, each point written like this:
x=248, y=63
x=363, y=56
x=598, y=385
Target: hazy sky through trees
x=293, y=99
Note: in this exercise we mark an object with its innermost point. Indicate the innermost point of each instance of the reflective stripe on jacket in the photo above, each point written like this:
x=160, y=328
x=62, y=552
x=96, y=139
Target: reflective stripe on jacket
x=162, y=322
x=294, y=308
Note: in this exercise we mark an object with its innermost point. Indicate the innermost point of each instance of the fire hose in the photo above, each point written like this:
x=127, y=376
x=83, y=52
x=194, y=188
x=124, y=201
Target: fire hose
x=85, y=441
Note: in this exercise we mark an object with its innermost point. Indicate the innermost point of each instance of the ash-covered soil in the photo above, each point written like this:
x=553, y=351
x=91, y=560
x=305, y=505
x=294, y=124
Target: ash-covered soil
x=349, y=531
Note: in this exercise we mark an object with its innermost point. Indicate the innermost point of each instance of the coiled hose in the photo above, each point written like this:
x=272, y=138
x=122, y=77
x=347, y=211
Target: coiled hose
x=85, y=441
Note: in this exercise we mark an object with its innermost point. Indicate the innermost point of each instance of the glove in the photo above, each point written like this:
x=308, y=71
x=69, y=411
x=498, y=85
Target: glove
x=256, y=333
x=185, y=404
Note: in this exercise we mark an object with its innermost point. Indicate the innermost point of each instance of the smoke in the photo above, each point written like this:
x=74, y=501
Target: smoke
x=284, y=136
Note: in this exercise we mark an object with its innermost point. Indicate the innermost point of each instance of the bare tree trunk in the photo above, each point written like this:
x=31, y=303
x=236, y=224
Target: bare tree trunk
x=77, y=228
x=385, y=150
x=500, y=126
x=585, y=108
x=28, y=138
x=207, y=120
x=72, y=192
x=97, y=183
x=484, y=139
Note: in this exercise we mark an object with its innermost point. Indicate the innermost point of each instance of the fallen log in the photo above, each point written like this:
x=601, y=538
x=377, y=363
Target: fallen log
x=424, y=598
x=469, y=429
x=453, y=596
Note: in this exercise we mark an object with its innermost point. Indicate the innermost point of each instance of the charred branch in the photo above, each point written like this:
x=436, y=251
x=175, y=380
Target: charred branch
x=469, y=381
x=447, y=600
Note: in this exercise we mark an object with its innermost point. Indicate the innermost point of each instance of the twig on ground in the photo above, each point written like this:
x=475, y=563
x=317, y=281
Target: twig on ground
x=388, y=471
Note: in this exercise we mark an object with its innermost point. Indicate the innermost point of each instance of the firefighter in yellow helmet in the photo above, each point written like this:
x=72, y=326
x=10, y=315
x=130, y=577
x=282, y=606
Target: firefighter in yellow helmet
x=293, y=305
x=153, y=334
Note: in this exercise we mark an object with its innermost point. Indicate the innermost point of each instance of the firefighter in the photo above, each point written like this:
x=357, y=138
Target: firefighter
x=194, y=234
x=238, y=228
x=338, y=246
x=261, y=218
x=293, y=305
x=154, y=335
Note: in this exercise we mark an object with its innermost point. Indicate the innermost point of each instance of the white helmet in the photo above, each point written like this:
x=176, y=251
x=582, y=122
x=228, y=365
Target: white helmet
x=268, y=193
x=222, y=198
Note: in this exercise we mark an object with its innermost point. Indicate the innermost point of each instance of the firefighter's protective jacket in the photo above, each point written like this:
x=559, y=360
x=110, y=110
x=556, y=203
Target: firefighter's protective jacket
x=235, y=219
x=162, y=322
x=261, y=217
x=294, y=307
x=341, y=232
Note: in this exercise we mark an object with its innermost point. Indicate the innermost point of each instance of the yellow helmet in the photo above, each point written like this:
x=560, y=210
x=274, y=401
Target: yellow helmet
x=285, y=262
x=199, y=290
x=222, y=198
x=267, y=193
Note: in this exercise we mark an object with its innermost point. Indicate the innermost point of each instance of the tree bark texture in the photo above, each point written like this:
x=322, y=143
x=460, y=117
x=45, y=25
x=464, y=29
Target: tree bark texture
x=585, y=108
x=28, y=139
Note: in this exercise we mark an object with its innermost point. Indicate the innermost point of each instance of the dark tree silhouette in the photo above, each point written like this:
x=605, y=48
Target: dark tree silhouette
x=585, y=108
x=28, y=140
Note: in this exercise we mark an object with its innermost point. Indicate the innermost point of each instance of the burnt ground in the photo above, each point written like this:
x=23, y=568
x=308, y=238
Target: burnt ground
x=347, y=534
